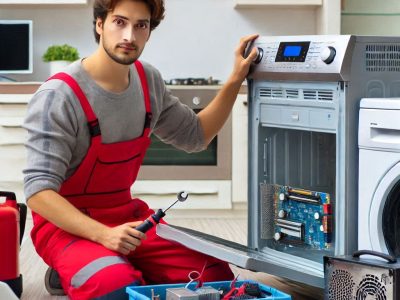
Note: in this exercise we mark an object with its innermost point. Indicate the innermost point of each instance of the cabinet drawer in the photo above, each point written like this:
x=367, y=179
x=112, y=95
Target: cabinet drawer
x=14, y=105
x=12, y=162
x=12, y=110
x=11, y=131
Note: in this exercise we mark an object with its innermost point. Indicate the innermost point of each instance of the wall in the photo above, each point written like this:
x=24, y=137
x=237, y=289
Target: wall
x=371, y=24
x=371, y=17
x=52, y=25
x=197, y=37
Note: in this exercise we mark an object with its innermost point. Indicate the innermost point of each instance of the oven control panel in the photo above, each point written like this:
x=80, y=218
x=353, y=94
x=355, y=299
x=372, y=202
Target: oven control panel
x=301, y=54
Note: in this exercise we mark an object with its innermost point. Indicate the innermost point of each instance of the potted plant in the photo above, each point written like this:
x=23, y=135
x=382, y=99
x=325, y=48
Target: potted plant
x=59, y=56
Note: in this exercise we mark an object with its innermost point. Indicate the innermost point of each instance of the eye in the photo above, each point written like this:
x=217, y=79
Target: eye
x=142, y=25
x=119, y=22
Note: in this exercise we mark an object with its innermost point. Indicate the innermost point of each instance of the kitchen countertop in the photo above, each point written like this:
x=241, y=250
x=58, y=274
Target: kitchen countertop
x=27, y=87
x=31, y=87
x=243, y=88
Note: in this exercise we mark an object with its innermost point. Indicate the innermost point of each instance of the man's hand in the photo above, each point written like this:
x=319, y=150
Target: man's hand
x=55, y=208
x=123, y=238
x=242, y=65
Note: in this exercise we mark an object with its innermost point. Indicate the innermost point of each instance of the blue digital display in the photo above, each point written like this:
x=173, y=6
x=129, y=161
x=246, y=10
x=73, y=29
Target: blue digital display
x=292, y=51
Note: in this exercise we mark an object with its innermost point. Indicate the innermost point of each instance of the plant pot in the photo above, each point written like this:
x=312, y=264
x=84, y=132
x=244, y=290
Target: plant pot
x=57, y=66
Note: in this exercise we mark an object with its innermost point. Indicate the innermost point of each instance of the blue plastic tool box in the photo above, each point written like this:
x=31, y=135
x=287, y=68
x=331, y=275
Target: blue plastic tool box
x=144, y=292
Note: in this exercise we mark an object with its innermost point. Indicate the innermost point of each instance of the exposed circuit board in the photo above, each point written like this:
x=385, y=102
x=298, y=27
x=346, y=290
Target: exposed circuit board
x=302, y=217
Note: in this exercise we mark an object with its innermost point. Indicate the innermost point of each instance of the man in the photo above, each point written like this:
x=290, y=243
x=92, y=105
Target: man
x=88, y=131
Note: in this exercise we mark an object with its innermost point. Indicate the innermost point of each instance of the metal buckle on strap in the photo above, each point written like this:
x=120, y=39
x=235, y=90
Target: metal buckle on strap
x=94, y=128
x=147, y=120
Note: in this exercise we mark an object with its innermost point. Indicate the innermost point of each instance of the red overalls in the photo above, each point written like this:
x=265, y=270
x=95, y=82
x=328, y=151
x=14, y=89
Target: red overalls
x=100, y=188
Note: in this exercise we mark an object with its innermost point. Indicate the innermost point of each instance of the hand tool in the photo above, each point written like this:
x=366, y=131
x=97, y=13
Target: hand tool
x=154, y=219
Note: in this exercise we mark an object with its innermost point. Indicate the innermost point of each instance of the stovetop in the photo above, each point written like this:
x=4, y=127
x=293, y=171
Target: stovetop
x=194, y=92
x=190, y=81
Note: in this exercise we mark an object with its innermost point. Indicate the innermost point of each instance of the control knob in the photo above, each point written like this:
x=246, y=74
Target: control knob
x=260, y=54
x=328, y=54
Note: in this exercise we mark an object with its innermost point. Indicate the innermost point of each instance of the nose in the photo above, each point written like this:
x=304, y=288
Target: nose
x=129, y=34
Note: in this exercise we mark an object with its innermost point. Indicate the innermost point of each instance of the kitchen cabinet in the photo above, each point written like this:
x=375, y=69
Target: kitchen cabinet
x=203, y=194
x=255, y=3
x=14, y=97
x=371, y=7
x=43, y=2
x=327, y=12
x=370, y=17
x=239, y=149
x=12, y=137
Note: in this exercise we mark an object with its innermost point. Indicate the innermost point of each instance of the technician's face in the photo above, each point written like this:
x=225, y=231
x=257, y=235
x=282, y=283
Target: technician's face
x=125, y=31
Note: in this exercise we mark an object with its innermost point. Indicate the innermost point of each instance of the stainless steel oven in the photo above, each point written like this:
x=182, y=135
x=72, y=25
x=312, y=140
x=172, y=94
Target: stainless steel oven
x=166, y=162
x=304, y=94
x=206, y=174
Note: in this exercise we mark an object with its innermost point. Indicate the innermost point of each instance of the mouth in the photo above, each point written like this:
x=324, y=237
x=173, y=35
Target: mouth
x=127, y=47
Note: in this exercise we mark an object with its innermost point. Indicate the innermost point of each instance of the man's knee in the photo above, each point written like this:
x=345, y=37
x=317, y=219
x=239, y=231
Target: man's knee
x=108, y=281
x=119, y=294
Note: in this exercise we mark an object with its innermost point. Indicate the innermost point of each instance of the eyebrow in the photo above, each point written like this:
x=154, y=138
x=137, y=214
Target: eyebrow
x=125, y=18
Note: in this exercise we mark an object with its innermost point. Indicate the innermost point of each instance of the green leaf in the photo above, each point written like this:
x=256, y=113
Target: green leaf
x=61, y=52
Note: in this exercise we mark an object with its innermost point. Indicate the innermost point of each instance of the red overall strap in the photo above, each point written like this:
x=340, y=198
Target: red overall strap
x=145, y=86
x=68, y=79
x=146, y=94
x=94, y=127
x=90, y=115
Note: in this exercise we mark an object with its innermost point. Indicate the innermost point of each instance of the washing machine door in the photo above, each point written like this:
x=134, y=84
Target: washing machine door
x=384, y=214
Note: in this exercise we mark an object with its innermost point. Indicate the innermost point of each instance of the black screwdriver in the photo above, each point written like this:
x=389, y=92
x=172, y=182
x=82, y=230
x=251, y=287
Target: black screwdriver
x=154, y=219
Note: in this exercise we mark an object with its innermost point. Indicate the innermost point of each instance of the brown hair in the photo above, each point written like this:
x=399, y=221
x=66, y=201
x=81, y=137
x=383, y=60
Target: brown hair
x=102, y=7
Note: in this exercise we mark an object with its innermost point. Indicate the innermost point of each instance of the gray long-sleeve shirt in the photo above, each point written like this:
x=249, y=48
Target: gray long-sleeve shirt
x=58, y=134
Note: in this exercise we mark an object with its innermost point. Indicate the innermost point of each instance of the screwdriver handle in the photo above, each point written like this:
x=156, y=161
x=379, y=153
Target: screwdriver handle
x=154, y=219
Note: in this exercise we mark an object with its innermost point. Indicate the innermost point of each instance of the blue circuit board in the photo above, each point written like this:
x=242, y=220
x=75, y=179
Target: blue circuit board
x=302, y=217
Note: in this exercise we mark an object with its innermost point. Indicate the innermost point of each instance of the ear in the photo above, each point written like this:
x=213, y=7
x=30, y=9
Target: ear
x=99, y=26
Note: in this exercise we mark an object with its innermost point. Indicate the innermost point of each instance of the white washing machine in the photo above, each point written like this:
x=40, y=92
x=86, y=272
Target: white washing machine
x=379, y=175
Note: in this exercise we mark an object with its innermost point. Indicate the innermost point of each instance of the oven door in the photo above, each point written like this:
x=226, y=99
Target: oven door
x=273, y=262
